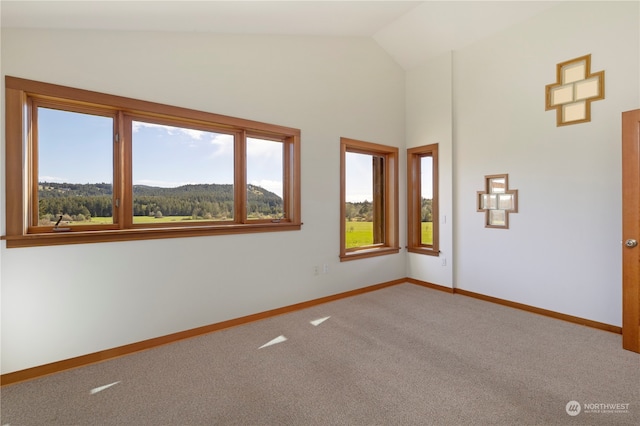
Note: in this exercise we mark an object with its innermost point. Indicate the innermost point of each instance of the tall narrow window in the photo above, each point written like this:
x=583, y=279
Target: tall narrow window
x=369, y=199
x=265, y=179
x=422, y=199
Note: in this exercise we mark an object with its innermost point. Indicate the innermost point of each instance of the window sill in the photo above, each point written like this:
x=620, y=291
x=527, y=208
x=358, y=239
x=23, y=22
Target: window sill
x=425, y=251
x=372, y=252
x=86, y=237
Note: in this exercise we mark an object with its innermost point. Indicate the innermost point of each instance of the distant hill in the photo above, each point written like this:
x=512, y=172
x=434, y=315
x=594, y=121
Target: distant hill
x=209, y=201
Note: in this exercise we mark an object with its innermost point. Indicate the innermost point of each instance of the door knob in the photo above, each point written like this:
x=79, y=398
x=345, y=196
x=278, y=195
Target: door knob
x=631, y=243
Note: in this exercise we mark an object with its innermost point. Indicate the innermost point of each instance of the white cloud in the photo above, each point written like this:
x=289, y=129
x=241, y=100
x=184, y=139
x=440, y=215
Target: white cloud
x=137, y=125
x=193, y=134
x=221, y=139
x=223, y=145
x=263, y=148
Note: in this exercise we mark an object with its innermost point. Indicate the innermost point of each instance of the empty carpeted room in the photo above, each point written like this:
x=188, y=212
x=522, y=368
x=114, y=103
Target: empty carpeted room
x=320, y=212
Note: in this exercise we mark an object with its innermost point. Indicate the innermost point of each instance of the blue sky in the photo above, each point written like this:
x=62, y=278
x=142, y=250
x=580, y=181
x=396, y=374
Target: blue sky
x=78, y=148
x=359, y=177
x=74, y=148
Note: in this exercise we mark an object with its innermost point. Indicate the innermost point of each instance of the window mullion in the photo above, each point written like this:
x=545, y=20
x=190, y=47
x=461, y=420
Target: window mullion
x=435, y=204
x=240, y=177
x=391, y=198
x=417, y=219
x=416, y=201
x=122, y=170
x=32, y=158
x=379, y=205
x=290, y=168
x=287, y=209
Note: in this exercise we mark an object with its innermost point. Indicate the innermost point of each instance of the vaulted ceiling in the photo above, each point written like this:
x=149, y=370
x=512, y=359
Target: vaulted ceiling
x=410, y=31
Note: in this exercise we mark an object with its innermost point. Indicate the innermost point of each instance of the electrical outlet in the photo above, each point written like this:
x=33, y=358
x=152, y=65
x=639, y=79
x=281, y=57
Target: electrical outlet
x=316, y=270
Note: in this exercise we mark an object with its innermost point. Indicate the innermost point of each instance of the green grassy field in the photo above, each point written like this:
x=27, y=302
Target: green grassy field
x=97, y=220
x=164, y=219
x=138, y=219
x=427, y=233
x=360, y=234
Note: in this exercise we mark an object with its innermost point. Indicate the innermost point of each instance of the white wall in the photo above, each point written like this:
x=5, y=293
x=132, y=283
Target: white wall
x=429, y=120
x=65, y=301
x=562, y=251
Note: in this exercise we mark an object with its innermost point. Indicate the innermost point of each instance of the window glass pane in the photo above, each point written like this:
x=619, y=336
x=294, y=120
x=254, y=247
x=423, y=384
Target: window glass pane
x=422, y=185
x=426, y=200
x=75, y=168
x=265, y=179
x=181, y=174
x=497, y=185
x=358, y=200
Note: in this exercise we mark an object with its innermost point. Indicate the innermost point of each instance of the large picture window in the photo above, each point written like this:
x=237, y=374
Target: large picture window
x=88, y=167
x=422, y=199
x=369, y=199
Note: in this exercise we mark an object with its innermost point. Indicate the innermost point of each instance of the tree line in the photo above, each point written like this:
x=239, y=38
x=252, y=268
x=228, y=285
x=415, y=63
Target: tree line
x=201, y=201
x=363, y=211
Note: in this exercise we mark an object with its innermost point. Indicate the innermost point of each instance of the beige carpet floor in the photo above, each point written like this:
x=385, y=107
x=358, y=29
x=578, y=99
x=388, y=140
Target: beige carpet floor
x=403, y=355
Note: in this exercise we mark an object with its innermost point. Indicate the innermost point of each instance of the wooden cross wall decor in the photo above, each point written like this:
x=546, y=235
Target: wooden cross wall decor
x=574, y=90
x=497, y=201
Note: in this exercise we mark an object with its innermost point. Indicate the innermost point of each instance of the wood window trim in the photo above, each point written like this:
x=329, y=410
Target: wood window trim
x=19, y=164
x=390, y=207
x=414, y=204
x=31, y=180
x=513, y=193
